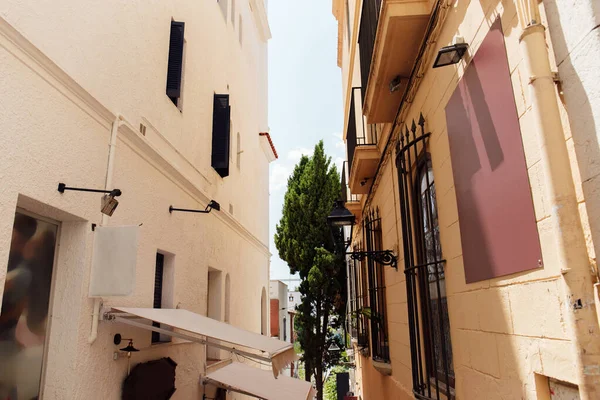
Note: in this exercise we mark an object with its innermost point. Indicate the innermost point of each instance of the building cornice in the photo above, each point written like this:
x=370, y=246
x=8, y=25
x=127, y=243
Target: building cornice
x=260, y=17
x=26, y=52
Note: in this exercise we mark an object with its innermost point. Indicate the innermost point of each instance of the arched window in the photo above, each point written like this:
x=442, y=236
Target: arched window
x=263, y=312
x=429, y=325
x=227, y=298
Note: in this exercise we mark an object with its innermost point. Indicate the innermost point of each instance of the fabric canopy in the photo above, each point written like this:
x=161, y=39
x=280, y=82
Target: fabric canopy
x=259, y=383
x=278, y=352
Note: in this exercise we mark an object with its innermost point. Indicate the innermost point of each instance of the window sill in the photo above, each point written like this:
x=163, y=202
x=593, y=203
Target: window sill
x=383, y=367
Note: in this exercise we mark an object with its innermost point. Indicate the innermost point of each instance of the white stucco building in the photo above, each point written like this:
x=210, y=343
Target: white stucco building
x=130, y=96
x=280, y=317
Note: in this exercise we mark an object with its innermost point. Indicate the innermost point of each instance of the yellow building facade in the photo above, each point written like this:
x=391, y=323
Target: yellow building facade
x=462, y=163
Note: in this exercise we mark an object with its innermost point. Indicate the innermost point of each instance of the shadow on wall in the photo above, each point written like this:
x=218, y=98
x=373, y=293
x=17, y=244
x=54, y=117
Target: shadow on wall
x=496, y=348
x=582, y=118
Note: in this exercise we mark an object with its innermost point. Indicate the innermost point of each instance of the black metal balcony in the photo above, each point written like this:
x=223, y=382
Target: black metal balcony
x=347, y=195
x=361, y=135
x=366, y=38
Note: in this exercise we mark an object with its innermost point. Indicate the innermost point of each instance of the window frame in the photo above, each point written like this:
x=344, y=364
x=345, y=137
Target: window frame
x=176, y=94
x=380, y=348
x=412, y=157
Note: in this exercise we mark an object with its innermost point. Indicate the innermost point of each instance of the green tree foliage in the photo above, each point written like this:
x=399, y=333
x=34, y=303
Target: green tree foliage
x=330, y=390
x=304, y=241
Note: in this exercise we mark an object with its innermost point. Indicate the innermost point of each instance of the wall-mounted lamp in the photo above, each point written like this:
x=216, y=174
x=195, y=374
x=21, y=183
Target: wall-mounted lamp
x=212, y=205
x=341, y=217
x=451, y=54
x=395, y=84
x=108, y=203
x=128, y=349
x=291, y=298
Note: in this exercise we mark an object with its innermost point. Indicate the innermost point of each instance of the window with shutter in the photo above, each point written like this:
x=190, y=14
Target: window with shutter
x=175, y=64
x=221, y=134
x=158, y=291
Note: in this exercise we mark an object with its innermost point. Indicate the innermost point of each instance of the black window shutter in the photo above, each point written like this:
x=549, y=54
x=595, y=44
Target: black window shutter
x=221, y=134
x=175, y=60
x=158, y=284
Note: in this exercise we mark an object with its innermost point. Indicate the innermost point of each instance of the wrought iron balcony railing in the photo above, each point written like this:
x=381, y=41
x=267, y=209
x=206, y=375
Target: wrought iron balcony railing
x=366, y=38
x=361, y=133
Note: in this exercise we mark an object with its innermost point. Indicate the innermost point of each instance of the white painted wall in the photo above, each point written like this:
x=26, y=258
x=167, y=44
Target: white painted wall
x=67, y=69
x=279, y=290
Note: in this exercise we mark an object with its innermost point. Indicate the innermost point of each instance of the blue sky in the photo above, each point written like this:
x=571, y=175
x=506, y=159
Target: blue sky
x=305, y=95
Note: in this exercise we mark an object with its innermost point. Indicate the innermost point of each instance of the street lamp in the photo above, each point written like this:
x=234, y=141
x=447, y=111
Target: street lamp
x=340, y=218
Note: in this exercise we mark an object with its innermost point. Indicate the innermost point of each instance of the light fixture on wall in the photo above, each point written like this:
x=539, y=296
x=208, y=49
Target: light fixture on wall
x=341, y=218
x=108, y=202
x=212, y=205
x=395, y=84
x=127, y=349
x=451, y=54
x=291, y=298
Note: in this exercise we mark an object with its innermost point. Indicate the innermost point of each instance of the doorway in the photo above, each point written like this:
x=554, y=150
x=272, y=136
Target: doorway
x=24, y=322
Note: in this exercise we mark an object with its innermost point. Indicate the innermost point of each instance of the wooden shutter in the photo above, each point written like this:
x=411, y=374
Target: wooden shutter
x=158, y=285
x=221, y=134
x=175, y=60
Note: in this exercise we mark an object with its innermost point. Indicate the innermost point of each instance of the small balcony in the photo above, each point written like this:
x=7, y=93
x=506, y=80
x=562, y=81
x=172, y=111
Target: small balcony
x=361, y=143
x=390, y=36
x=352, y=201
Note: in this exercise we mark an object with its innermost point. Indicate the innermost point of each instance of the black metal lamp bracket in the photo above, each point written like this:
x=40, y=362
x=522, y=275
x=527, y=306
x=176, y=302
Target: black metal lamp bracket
x=385, y=257
x=62, y=187
x=205, y=211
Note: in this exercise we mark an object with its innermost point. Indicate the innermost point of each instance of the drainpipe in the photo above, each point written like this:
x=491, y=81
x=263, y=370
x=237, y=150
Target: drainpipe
x=108, y=186
x=571, y=252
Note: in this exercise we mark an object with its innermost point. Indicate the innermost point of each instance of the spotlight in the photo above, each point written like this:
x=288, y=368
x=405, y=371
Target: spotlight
x=395, y=84
x=451, y=54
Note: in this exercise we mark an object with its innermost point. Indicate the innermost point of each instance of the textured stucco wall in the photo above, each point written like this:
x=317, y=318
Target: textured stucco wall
x=574, y=27
x=506, y=330
x=53, y=130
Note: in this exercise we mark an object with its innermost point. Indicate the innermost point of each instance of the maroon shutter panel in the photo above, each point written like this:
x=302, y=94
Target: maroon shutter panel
x=497, y=221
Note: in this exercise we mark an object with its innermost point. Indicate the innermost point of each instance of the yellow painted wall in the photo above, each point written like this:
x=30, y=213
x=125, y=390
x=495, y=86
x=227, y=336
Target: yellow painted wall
x=503, y=330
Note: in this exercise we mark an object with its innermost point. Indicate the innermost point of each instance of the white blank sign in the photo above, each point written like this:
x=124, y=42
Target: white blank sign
x=114, y=260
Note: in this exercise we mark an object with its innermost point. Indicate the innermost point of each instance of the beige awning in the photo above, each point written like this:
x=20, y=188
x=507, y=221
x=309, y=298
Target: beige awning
x=260, y=383
x=188, y=324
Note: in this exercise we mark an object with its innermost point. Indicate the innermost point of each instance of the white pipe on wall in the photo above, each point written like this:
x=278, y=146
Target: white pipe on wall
x=571, y=251
x=107, y=186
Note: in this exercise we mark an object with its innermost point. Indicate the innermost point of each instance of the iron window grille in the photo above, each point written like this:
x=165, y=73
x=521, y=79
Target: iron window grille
x=429, y=328
x=380, y=349
x=358, y=302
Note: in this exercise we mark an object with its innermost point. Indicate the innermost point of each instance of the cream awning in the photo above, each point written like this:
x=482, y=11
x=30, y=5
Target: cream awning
x=260, y=383
x=278, y=352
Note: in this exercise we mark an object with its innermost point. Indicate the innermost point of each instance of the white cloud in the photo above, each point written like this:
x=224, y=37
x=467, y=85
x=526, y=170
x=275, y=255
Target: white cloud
x=339, y=141
x=278, y=177
x=338, y=162
x=295, y=154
